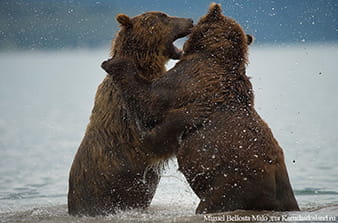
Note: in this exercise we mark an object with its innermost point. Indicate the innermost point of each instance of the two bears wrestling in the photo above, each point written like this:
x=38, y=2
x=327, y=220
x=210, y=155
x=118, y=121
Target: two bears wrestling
x=201, y=111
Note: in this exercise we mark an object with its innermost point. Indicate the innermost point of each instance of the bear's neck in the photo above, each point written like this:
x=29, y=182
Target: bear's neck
x=149, y=66
x=232, y=65
x=148, y=59
x=232, y=88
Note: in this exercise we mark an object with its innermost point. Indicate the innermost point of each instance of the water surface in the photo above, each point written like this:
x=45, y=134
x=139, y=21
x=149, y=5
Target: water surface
x=46, y=99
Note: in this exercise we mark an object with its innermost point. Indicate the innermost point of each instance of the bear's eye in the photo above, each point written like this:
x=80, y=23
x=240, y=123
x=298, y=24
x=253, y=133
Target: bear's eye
x=162, y=15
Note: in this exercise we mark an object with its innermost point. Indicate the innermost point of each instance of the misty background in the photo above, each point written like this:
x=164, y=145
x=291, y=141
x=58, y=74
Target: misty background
x=50, y=24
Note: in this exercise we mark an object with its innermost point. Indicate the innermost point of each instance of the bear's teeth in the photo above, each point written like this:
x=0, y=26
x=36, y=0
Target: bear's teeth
x=178, y=51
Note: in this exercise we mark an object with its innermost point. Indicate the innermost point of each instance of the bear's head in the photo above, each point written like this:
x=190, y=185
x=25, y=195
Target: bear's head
x=148, y=40
x=218, y=36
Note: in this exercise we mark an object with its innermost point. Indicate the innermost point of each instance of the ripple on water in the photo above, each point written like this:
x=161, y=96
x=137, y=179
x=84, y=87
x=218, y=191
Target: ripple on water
x=314, y=191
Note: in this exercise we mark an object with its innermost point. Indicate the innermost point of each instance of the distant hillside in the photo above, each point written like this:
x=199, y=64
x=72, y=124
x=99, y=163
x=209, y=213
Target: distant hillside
x=50, y=24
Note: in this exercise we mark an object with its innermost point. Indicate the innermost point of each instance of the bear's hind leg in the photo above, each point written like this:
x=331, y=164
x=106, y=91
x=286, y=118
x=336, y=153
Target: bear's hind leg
x=221, y=196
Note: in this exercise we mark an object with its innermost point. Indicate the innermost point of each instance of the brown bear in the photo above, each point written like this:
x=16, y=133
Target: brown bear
x=232, y=161
x=111, y=170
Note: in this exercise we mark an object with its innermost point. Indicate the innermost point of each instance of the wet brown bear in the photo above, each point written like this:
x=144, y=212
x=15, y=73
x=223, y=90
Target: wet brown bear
x=110, y=170
x=232, y=161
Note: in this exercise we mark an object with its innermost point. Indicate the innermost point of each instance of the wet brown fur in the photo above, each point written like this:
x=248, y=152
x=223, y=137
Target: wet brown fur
x=111, y=170
x=232, y=161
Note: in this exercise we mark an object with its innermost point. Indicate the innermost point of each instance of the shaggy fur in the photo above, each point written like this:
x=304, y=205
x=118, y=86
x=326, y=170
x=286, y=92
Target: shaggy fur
x=232, y=161
x=111, y=170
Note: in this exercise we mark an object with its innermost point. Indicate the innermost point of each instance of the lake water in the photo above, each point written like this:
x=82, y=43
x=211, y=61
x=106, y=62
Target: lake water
x=46, y=99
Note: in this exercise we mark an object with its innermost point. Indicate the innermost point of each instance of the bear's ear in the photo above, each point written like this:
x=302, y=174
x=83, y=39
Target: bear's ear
x=215, y=12
x=249, y=39
x=124, y=20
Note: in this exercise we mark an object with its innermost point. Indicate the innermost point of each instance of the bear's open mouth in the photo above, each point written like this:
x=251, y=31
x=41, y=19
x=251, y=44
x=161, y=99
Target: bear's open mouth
x=175, y=52
x=178, y=52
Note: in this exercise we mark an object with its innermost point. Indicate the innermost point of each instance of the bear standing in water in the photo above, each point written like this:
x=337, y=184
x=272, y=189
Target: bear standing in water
x=232, y=161
x=111, y=170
